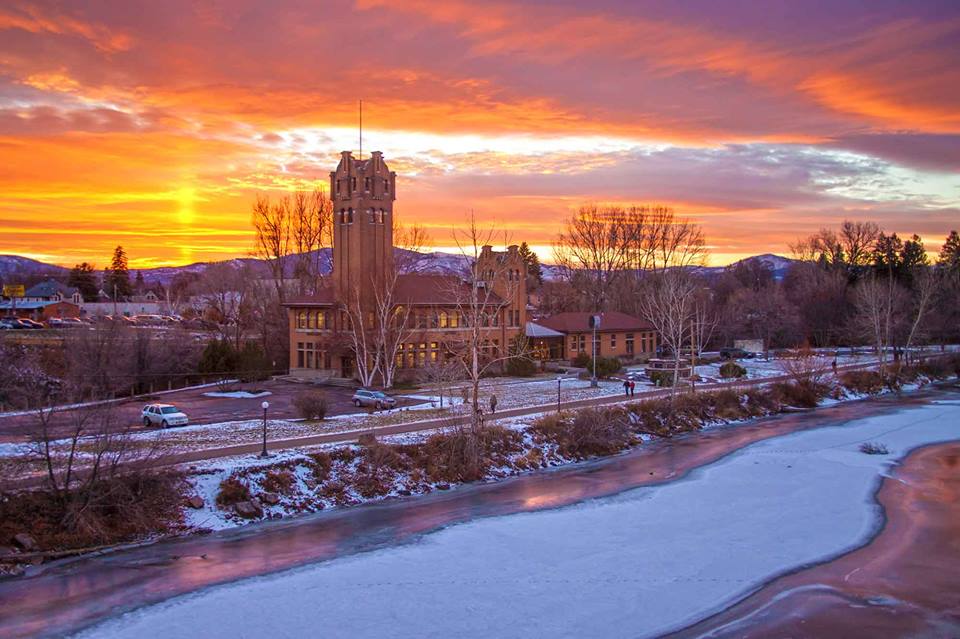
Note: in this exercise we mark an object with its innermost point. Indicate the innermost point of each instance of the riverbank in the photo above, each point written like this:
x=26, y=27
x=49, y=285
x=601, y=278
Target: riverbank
x=636, y=564
x=236, y=491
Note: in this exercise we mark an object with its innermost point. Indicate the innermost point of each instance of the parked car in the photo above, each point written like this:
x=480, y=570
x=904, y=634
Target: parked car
x=163, y=415
x=149, y=320
x=64, y=322
x=376, y=399
x=735, y=353
x=29, y=323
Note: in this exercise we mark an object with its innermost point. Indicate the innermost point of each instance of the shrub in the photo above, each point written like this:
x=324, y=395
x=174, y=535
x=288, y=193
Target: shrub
x=798, y=394
x=872, y=448
x=232, y=491
x=731, y=370
x=378, y=456
x=322, y=463
x=661, y=378
x=311, y=404
x=278, y=481
x=521, y=367
x=463, y=455
x=582, y=360
x=120, y=509
x=867, y=382
x=606, y=366
x=590, y=432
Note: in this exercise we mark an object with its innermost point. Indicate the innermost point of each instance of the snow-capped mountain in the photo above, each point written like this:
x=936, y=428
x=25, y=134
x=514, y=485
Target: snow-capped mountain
x=409, y=261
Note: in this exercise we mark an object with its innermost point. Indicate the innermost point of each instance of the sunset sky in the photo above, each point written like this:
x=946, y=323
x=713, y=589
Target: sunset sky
x=154, y=125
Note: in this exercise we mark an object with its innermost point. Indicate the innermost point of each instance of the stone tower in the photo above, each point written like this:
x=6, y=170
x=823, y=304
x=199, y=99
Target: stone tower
x=363, y=193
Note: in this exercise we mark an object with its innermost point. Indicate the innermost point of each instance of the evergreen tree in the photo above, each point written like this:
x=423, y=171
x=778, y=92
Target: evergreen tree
x=532, y=261
x=887, y=254
x=82, y=278
x=139, y=284
x=116, y=280
x=949, y=260
x=913, y=253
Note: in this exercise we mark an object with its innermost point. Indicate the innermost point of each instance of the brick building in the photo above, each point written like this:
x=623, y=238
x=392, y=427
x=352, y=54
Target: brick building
x=432, y=313
x=620, y=335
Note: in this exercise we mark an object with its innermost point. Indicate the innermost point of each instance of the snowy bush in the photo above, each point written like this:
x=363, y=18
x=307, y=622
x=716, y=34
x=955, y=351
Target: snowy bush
x=232, y=491
x=731, y=370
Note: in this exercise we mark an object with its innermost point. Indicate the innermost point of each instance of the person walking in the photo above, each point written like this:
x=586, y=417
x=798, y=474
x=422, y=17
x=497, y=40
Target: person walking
x=633, y=388
x=493, y=403
x=626, y=388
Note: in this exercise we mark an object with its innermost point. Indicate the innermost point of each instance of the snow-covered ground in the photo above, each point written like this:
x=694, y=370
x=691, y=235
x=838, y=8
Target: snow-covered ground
x=635, y=564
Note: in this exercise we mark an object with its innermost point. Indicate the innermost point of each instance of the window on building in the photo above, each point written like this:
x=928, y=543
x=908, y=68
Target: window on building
x=613, y=340
x=353, y=184
x=386, y=185
x=629, y=343
x=299, y=354
x=444, y=320
x=573, y=343
x=366, y=184
x=583, y=342
x=301, y=319
x=370, y=217
x=311, y=319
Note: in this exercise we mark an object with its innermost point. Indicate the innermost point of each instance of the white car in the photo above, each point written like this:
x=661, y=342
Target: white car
x=163, y=415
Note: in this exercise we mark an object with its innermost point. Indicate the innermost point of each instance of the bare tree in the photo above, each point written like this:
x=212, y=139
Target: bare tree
x=362, y=331
x=311, y=221
x=225, y=292
x=594, y=244
x=926, y=282
x=668, y=302
x=440, y=374
x=879, y=305
x=850, y=248
x=480, y=308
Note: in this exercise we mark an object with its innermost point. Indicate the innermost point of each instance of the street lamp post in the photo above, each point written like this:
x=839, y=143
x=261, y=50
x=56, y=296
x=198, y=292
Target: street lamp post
x=594, y=324
x=559, y=379
x=264, y=406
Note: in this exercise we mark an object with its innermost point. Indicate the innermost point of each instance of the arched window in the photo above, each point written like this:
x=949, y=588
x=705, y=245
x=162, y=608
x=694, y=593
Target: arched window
x=311, y=319
x=386, y=185
x=301, y=319
x=370, y=217
x=444, y=320
x=349, y=219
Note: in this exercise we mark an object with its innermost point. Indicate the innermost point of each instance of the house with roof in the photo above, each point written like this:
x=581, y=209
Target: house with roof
x=428, y=309
x=52, y=291
x=565, y=336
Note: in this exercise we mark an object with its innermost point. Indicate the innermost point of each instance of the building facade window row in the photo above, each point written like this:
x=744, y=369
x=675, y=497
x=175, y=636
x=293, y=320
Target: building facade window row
x=316, y=320
x=312, y=355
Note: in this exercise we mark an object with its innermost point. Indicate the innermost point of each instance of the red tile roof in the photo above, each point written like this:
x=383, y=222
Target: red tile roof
x=415, y=289
x=609, y=322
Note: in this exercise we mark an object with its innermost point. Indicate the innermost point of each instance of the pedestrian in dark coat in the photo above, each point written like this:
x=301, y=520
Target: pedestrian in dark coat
x=626, y=387
x=493, y=404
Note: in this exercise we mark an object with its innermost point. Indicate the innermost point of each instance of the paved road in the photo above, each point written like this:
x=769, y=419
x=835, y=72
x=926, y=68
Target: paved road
x=201, y=408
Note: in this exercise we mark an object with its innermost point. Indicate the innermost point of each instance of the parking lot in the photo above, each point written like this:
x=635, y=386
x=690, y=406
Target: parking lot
x=202, y=408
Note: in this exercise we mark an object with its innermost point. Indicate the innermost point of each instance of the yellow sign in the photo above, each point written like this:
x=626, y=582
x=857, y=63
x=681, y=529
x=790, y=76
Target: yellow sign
x=13, y=290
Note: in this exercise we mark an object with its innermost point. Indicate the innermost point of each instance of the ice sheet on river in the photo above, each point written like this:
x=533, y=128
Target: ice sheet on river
x=635, y=564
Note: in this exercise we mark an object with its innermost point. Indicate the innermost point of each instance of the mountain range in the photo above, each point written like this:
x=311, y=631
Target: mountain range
x=15, y=267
